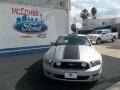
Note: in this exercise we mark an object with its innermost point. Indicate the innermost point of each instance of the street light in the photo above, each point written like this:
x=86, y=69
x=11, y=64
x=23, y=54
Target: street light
x=41, y=18
x=118, y=30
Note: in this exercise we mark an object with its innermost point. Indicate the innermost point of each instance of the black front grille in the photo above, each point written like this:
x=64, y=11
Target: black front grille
x=71, y=65
x=78, y=77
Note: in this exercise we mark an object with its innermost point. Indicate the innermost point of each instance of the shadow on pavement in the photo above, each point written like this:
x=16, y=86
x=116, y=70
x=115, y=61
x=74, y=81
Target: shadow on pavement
x=35, y=80
x=103, y=43
x=114, y=47
x=111, y=45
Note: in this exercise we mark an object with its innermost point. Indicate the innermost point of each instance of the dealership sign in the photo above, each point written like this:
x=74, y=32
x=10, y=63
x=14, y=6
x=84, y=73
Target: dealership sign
x=28, y=21
x=29, y=26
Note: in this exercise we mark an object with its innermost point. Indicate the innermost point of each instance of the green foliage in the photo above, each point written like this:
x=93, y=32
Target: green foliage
x=84, y=14
x=93, y=12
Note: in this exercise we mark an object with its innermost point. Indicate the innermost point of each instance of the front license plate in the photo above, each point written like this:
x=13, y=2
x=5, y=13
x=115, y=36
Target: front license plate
x=71, y=75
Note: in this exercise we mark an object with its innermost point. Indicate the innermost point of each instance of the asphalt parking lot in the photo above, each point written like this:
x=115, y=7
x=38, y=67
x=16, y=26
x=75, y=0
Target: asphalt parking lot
x=25, y=72
x=109, y=48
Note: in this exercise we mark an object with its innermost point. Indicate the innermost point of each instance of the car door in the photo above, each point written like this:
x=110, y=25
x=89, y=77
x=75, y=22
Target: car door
x=109, y=35
x=104, y=36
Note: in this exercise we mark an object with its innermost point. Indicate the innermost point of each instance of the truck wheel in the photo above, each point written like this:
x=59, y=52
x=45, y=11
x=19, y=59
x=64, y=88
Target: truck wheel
x=98, y=41
x=114, y=38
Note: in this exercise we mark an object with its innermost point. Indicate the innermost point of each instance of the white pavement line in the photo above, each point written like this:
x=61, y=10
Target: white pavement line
x=114, y=87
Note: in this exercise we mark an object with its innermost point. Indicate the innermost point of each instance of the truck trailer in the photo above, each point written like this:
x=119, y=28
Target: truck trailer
x=29, y=27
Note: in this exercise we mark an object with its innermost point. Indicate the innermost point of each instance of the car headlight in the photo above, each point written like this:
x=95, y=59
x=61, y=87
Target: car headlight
x=58, y=63
x=95, y=63
x=48, y=61
x=83, y=64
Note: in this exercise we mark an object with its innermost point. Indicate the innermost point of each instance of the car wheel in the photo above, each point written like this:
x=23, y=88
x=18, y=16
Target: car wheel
x=114, y=38
x=98, y=41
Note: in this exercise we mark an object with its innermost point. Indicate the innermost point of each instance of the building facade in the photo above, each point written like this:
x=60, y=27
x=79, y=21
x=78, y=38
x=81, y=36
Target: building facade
x=56, y=4
x=29, y=26
x=89, y=25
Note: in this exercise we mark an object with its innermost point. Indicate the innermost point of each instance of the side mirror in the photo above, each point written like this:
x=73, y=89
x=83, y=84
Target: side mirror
x=52, y=43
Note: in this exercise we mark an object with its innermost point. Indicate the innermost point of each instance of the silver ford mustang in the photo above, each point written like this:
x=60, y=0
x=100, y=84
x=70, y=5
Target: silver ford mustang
x=72, y=58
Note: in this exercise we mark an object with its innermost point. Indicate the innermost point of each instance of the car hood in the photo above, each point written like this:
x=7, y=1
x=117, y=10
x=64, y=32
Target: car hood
x=73, y=52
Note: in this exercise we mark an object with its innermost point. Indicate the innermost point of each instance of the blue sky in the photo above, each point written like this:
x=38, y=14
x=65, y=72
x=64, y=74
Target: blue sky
x=105, y=8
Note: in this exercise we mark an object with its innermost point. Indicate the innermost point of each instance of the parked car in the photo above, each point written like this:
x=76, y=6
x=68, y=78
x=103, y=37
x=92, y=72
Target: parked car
x=98, y=36
x=72, y=58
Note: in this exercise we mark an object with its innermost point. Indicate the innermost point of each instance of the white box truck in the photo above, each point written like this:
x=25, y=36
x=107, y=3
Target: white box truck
x=28, y=28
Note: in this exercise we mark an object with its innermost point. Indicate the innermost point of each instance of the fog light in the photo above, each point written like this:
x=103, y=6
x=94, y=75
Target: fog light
x=95, y=75
x=83, y=64
x=58, y=63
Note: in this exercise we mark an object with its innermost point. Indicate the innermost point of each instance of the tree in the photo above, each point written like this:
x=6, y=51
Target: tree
x=93, y=12
x=84, y=14
x=73, y=28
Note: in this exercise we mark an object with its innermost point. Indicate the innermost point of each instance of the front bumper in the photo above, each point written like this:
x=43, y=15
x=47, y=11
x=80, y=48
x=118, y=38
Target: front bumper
x=91, y=74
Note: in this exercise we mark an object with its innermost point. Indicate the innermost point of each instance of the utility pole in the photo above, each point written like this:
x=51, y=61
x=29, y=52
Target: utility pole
x=118, y=31
x=41, y=18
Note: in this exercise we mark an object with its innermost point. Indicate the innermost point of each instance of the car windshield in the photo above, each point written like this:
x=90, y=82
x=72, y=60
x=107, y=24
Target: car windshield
x=96, y=32
x=72, y=40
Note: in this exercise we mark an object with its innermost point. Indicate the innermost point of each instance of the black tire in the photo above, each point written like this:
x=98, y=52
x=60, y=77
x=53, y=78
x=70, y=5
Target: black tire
x=98, y=41
x=114, y=38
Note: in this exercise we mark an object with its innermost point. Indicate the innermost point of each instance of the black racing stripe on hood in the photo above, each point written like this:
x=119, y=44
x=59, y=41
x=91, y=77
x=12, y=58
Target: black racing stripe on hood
x=71, y=52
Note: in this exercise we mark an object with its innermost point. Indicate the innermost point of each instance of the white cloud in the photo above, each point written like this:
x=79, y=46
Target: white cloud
x=73, y=1
x=75, y=12
x=105, y=8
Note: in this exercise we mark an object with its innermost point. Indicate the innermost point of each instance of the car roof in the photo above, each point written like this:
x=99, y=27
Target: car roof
x=102, y=30
x=74, y=35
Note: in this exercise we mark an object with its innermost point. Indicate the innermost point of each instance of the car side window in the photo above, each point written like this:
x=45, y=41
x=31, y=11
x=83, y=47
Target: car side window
x=103, y=32
x=60, y=40
x=107, y=32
